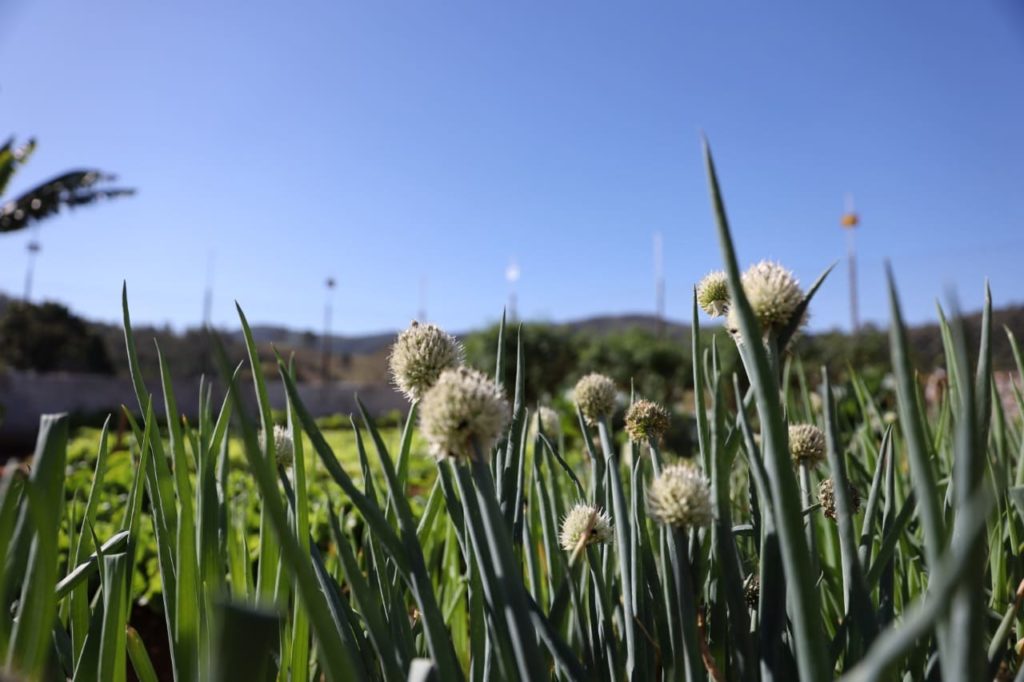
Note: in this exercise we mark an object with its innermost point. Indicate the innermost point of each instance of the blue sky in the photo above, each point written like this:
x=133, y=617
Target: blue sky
x=387, y=142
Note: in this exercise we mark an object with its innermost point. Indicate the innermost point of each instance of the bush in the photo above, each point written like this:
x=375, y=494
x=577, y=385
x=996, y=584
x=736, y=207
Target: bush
x=48, y=338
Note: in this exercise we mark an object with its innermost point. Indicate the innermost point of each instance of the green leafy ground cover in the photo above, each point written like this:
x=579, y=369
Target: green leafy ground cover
x=242, y=497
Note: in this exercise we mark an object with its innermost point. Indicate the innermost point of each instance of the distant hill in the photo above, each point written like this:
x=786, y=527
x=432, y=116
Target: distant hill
x=610, y=324
x=283, y=336
x=871, y=345
x=370, y=344
x=363, y=358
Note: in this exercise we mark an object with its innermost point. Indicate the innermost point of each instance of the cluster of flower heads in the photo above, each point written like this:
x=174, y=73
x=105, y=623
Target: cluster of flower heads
x=680, y=497
x=595, y=395
x=645, y=420
x=418, y=357
x=806, y=444
x=587, y=524
x=772, y=290
x=284, y=448
x=462, y=411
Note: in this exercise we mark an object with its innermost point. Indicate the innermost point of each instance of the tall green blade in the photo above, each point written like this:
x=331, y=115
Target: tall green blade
x=163, y=514
x=895, y=642
x=187, y=607
x=725, y=552
x=501, y=617
x=967, y=653
x=78, y=604
x=300, y=621
x=623, y=544
x=269, y=551
x=333, y=652
x=371, y=512
x=12, y=487
x=507, y=477
x=159, y=482
x=805, y=612
x=37, y=605
x=856, y=598
x=78, y=575
x=437, y=635
x=922, y=474
x=113, y=644
x=369, y=606
x=874, y=495
x=139, y=656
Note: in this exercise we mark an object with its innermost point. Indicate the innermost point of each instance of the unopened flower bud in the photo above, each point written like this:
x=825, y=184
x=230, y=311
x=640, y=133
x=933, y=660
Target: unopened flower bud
x=713, y=294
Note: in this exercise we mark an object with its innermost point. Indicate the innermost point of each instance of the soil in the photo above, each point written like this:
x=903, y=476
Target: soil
x=152, y=630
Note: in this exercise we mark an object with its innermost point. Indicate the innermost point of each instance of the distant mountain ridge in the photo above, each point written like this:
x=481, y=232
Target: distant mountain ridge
x=362, y=355
x=285, y=336
x=371, y=343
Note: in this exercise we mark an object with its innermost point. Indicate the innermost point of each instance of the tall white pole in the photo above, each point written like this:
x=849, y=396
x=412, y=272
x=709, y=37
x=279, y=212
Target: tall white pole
x=659, y=283
x=421, y=314
x=328, y=305
x=849, y=222
x=208, y=293
x=512, y=274
x=34, y=247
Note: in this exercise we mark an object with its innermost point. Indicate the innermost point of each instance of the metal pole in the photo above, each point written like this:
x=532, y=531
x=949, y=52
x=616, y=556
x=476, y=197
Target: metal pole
x=207, y=365
x=849, y=222
x=34, y=247
x=208, y=294
x=326, y=361
x=851, y=256
x=421, y=315
x=659, y=285
x=512, y=273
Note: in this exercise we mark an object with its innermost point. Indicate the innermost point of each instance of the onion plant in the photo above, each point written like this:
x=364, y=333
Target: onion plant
x=798, y=542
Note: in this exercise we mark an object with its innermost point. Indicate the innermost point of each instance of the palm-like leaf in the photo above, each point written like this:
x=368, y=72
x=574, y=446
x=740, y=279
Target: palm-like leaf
x=74, y=188
x=10, y=158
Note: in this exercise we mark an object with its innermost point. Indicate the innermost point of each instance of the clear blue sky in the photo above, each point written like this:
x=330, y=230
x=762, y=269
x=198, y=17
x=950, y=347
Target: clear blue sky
x=383, y=142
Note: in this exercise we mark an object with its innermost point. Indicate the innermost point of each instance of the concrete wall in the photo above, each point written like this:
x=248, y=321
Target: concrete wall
x=25, y=396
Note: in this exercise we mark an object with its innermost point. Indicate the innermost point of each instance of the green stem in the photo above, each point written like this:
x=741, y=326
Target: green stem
x=686, y=606
x=624, y=545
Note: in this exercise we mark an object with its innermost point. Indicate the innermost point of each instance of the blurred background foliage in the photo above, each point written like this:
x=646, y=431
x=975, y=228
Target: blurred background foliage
x=48, y=338
x=654, y=357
